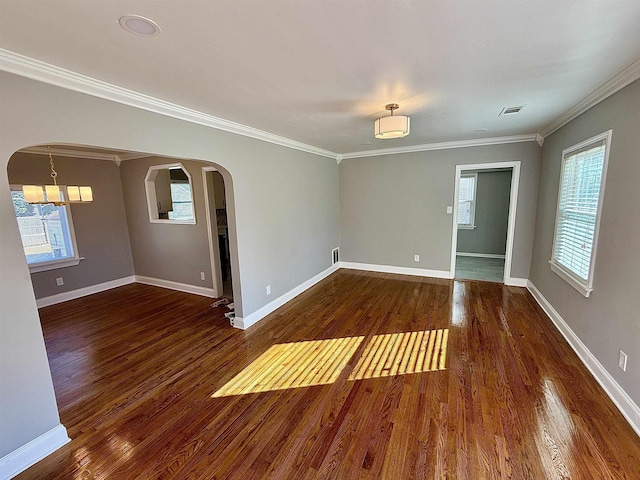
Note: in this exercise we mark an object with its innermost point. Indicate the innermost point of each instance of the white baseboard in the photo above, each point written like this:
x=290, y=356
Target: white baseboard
x=245, y=322
x=625, y=404
x=479, y=255
x=34, y=451
x=181, y=287
x=516, y=282
x=83, y=292
x=420, y=272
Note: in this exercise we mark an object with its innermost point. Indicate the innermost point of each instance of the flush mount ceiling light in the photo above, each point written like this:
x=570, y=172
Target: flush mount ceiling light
x=139, y=25
x=392, y=126
x=56, y=194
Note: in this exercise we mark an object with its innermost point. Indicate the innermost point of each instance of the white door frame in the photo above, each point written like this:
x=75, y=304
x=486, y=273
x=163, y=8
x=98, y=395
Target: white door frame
x=513, y=204
x=214, y=249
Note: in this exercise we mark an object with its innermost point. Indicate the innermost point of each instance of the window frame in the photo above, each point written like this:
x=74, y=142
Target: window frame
x=152, y=200
x=472, y=224
x=585, y=287
x=54, y=264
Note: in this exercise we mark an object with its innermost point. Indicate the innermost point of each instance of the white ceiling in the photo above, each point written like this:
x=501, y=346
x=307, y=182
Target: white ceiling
x=320, y=72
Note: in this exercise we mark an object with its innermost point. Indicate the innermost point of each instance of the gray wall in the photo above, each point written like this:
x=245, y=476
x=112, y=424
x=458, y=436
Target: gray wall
x=607, y=321
x=285, y=208
x=163, y=250
x=394, y=206
x=100, y=227
x=491, y=218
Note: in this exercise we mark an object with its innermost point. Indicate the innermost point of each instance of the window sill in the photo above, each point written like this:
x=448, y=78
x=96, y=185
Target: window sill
x=561, y=272
x=466, y=227
x=43, y=267
x=169, y=221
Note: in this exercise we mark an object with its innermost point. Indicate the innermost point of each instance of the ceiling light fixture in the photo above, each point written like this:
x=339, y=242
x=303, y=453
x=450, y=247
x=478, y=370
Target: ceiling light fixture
x=56, y=194
x=391, y=126
x=139, y=25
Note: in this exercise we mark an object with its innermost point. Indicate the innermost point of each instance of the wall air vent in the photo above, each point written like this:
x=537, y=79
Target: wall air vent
x=335, y=256
x=510, y=110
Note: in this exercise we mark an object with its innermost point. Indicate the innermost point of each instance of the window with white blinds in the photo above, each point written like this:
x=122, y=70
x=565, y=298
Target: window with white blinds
x=578, y=215
x=467, y=200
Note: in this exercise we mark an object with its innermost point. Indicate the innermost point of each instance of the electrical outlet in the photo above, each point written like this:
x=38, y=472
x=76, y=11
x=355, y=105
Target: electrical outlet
x=59, y=281
x=416, y=258
x=268, y=289
x=622, y=361
x=201, y=275
x=449, y=209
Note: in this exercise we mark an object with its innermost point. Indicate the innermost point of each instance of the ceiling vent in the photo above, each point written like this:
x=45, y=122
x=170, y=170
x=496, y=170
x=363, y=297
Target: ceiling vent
x=510, y=110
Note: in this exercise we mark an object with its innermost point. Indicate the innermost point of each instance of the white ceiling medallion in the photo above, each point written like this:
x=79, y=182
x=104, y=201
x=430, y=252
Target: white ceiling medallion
x=392, y=126
x=139, y=25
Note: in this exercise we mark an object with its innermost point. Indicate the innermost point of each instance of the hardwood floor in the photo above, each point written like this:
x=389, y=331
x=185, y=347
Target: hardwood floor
x=363, y=376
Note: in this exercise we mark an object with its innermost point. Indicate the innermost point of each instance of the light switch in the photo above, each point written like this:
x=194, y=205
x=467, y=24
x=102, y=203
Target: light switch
x=449, y=209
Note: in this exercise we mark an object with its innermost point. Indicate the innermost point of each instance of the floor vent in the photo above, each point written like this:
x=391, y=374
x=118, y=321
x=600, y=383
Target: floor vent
x=335, y=256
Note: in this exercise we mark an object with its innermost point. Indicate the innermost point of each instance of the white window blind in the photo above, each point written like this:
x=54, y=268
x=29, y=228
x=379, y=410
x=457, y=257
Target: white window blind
x=577, y=217
x=467, y=200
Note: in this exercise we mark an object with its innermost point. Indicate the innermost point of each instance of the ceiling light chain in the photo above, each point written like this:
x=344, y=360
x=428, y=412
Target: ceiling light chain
x=54, y=174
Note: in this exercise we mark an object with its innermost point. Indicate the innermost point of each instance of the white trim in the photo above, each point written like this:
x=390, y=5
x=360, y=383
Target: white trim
x=245, y=322
x=180, y=287
x=513, y=205
x=420, y=272
x=479, y=255
x=616, y=393
x=617, y=83
x=568, y=277
x=479, y=142
x=55, y=264
x=516, y=282
x=62, y=152
x=152, y=199
x=83, y=292
x=214, y=248
x=45, y=72
x=30, y=453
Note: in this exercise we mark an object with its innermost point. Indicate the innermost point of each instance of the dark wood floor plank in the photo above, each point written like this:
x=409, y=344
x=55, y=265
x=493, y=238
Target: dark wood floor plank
x=155, y=384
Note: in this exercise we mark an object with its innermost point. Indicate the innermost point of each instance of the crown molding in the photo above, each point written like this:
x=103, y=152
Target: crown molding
x=479, y=142
x=61, y=152
x=44, y=72
x=621, y=80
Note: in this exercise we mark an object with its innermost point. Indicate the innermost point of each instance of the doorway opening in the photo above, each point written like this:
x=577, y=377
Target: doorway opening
x=218, y=230
x=484, y=211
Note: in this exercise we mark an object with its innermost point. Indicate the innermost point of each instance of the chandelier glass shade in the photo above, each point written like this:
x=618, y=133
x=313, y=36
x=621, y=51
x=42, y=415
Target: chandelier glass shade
x=56, y=194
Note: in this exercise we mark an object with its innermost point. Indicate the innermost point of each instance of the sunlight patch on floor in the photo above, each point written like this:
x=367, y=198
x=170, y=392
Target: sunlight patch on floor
x=294, y=365
x=402, y=353
x=320, y=362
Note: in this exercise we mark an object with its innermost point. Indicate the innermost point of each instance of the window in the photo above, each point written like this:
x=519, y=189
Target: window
x=467, y=200
x=582, y=178
x=47, y=233
x=181, y=200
